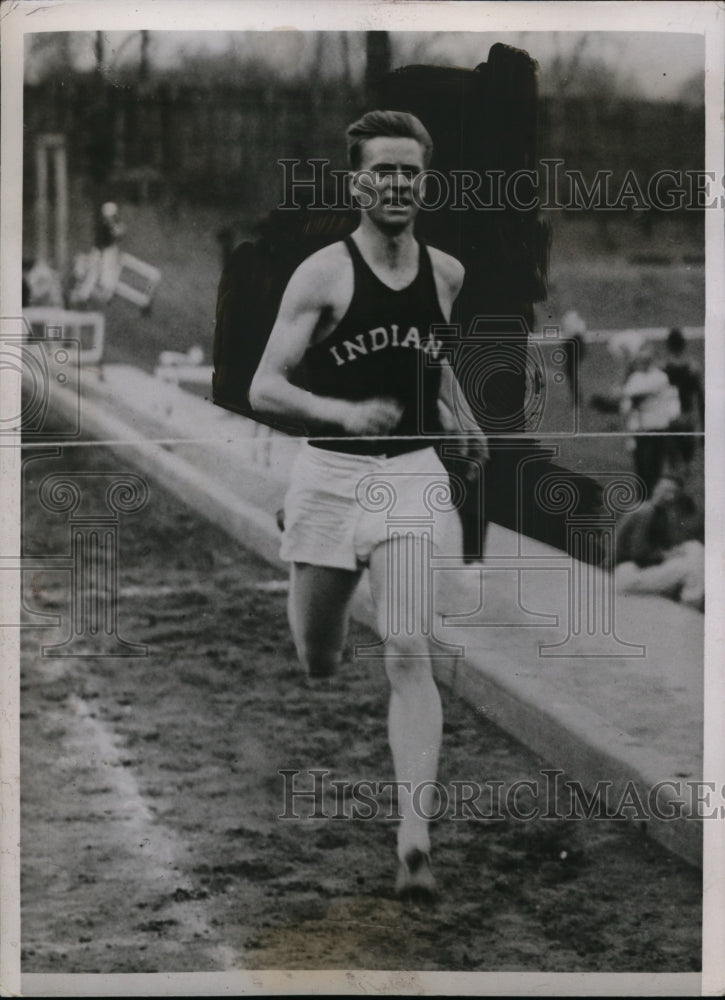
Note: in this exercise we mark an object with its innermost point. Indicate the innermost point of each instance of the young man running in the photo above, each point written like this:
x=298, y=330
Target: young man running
x=359, y=315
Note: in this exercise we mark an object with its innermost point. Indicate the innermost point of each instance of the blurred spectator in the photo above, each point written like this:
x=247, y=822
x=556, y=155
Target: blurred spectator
x=109, y=229
x=573, y=328
x=686, y=376
x=96, y=274
x=625, y=344
x=649, y=403
x=43, y=286
x=659, y=546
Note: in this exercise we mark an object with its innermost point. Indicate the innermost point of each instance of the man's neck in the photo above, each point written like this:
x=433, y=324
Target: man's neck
x=395, y=250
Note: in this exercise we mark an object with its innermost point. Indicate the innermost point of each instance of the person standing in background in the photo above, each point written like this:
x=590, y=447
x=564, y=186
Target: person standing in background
x=685, y=375
x=649, y=404
x=109, y=230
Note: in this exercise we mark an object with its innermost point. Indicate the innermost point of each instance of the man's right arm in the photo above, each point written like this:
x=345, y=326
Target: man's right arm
x=271, y=390
x=303, y=305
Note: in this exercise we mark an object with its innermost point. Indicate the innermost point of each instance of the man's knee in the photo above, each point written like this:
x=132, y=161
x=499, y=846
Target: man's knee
x=407, y=659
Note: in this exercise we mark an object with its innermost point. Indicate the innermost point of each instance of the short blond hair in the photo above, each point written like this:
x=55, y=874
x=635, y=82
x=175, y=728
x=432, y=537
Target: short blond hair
x=386, y=124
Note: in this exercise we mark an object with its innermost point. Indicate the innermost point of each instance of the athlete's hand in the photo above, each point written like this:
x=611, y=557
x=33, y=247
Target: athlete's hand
x=372, y=416
x=468, y=435
x=478, y=453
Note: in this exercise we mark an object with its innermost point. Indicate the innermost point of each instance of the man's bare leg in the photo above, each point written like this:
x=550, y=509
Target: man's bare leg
x=415, y=719
x=318, y=610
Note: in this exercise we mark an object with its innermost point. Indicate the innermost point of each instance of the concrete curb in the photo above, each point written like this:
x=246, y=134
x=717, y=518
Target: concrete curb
x=555, y=725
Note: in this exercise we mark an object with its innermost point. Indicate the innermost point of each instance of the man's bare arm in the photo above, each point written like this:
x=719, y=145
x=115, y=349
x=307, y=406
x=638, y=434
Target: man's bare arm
x=449, y=274
x=303, y=305
x=453, y=407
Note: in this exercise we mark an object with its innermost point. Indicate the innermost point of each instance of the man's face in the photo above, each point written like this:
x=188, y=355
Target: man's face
x=384, y=181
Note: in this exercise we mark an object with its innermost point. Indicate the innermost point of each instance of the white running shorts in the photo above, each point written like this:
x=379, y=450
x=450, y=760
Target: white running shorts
x=339, y=506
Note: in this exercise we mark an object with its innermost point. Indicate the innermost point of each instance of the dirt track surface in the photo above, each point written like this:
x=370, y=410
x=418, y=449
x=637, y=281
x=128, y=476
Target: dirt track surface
x=150, y=831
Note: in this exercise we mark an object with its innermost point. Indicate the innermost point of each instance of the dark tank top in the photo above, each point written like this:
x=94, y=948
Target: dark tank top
x=384, y=346
x=686, y=381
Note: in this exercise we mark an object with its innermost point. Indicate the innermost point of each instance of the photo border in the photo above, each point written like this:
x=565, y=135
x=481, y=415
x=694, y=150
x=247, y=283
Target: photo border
x=165, y=15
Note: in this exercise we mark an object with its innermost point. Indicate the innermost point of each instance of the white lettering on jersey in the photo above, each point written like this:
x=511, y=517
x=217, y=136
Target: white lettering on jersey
x=353, y=349
x=412, y=337
x=378, y=345
x=378, y=339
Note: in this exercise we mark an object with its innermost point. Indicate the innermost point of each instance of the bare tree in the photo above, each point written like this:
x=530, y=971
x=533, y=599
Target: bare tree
x=144, y=65
x=692, y=91
x=99, y=51
x=378, y=58
x=346, y=65
x=50, y=53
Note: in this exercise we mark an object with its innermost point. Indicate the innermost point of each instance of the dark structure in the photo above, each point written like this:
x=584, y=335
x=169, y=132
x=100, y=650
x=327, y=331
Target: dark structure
x=483, y=123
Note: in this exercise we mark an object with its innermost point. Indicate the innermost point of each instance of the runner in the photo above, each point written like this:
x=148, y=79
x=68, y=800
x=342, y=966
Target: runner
x=360, y=316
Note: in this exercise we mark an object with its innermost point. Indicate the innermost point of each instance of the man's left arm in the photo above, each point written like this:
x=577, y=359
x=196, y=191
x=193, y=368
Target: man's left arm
x=453, y=407
x=456, y=415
